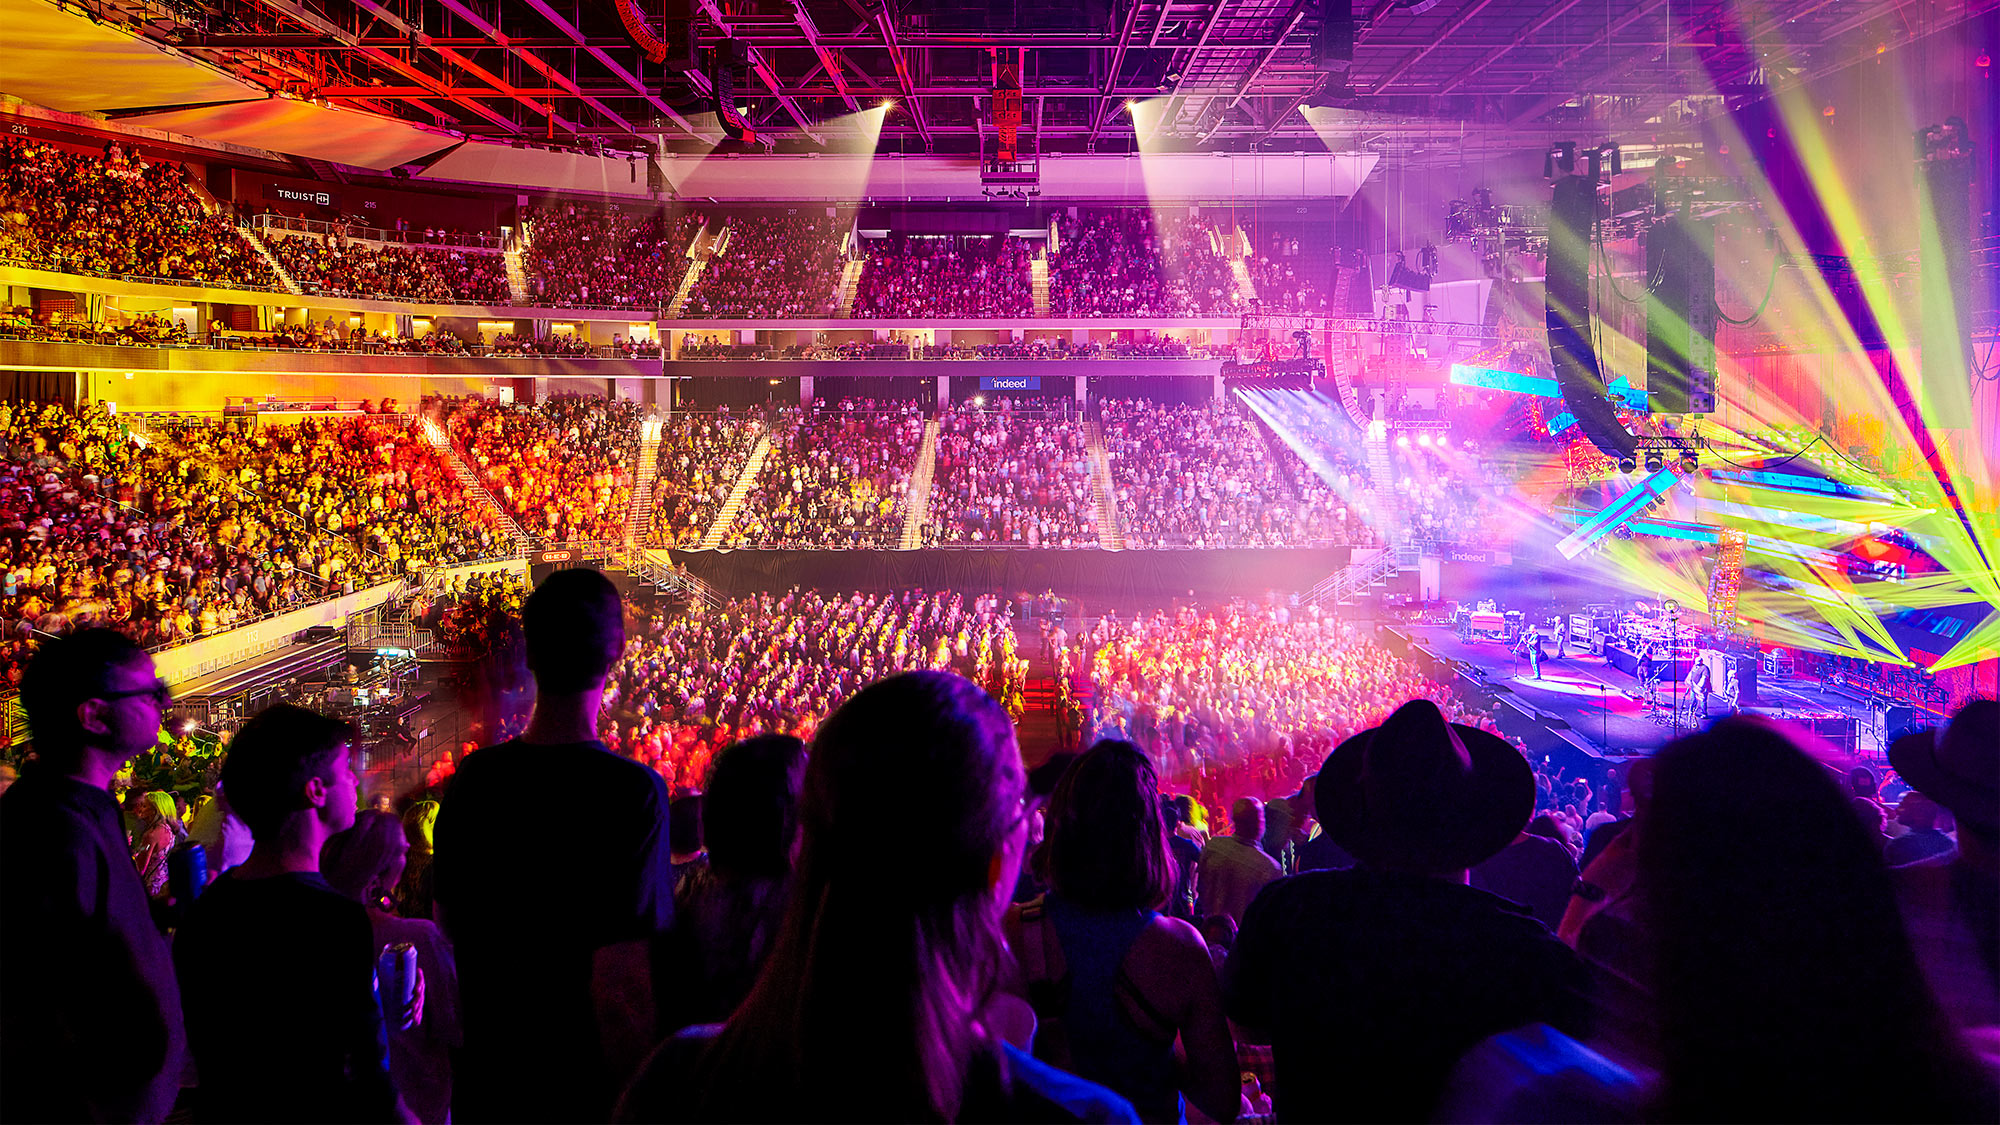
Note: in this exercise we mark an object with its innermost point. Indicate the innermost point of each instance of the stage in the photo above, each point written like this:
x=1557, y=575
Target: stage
x=1584, y=705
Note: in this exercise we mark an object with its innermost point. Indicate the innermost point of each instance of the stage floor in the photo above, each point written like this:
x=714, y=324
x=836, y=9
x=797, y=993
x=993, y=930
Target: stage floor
x=1605, y=707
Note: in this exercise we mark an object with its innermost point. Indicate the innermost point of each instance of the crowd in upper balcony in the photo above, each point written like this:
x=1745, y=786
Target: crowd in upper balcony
x=955, y=276
x=336, y=266
x=562, y=468
x=1128, y=262
x=596, y=257
x=770, y=266
x=1009, y=476
x=837, y=477
x=1287, y=277
x=116, y=212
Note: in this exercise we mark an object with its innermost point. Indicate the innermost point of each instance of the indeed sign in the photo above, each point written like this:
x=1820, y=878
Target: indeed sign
x=1010, y=382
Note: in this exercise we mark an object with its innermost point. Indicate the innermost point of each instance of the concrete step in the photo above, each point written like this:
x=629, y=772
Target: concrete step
x=917, y=505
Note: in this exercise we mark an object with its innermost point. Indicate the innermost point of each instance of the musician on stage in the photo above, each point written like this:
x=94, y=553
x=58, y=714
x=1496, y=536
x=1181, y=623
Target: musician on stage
x=1533, y=644
x=1562, y=636
x=1649, y=675
x=1697, y=688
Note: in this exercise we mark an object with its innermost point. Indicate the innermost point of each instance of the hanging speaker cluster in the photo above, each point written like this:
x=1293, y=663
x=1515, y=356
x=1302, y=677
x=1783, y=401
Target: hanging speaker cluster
x=1333, y=43
x=1680, y=316
x=1571, y=216
x=727, y=70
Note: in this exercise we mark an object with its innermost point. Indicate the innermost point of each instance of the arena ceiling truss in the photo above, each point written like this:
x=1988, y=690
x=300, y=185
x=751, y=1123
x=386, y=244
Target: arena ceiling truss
x=1444, y=76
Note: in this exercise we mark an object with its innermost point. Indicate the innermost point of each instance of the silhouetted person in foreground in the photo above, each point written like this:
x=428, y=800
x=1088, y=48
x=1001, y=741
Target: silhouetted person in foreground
x=278, y=968
x=1115, y=984
x=1951, y=901
x=1786, y=986
x=90, y=1027
x=553, y=942
x=1370, y=982
x=727, y=910
x=881, y=1000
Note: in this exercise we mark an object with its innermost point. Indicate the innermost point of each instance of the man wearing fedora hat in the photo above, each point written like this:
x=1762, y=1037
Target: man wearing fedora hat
x=1951, y=902
x=1370, y=983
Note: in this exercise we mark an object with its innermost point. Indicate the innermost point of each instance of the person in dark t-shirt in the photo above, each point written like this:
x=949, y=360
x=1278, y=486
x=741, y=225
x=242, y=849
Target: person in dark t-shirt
x=278, y=967
x=553, y=944
x=1370, y=983
x=90, y=1027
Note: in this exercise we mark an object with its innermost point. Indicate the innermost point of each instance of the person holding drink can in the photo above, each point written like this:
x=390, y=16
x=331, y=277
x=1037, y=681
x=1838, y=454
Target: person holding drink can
x=365, y=863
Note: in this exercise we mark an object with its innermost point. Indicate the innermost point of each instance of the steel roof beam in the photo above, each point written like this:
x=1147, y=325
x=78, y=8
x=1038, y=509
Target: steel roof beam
x=630, y=79
x=762, y=67
x=535, y=62
x=1250, y=79
x=1639, y=12
x=885, y=22
x=1104, y=110
x=301, y=15
x=1450, y=28
x=500, y=84
x=826, y=60
x=1534, y=26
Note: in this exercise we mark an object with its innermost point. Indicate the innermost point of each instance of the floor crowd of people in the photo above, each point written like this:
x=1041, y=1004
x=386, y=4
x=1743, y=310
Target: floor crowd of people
x=1396, y=937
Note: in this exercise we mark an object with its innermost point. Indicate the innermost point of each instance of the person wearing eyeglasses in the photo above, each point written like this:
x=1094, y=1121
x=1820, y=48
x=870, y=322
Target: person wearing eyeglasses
x=91, y=1028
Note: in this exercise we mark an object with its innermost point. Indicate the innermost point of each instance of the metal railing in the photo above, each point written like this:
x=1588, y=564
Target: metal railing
x=489, y=242
x=230, y=340
x=61, y=264
x=896, y=353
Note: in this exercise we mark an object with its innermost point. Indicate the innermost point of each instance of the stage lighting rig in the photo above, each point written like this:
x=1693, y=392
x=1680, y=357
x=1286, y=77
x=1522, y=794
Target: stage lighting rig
x=1950, y=141
x=1681, y=454
x=1559, y=161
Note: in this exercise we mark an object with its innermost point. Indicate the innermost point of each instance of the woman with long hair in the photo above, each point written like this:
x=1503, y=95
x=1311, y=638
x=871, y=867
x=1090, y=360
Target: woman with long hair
x=1114, y=981
x=159, y=832
x=880, y=999
x=413, y=890
x=366, y=863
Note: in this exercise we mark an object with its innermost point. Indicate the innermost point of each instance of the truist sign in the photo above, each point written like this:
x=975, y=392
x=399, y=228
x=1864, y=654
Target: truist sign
x=296, y=195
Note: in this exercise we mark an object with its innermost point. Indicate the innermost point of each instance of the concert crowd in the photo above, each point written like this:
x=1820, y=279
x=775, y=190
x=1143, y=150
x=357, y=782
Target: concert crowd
x=780, y=783
x=1008, y=476
x=116, y=213
x=560, y=468
x=836, y=477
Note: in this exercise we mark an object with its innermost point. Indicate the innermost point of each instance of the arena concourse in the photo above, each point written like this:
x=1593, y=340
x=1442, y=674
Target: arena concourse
x=1141, y=562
